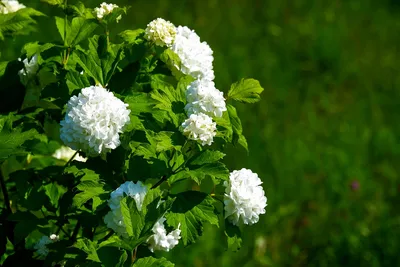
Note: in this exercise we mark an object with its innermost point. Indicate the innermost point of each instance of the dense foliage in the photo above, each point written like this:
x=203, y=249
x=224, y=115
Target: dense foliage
x=97, y=137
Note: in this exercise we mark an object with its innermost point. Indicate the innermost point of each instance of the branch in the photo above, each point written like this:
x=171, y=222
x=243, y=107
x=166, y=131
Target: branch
x=164, y=178
x=76, y=231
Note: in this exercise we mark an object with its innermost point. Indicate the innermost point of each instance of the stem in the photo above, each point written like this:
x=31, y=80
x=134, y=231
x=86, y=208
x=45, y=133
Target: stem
x=5, y=193
x=65, y=54
x=71, y=159
x=164, y=178
x=76, y=231
x=133, y=255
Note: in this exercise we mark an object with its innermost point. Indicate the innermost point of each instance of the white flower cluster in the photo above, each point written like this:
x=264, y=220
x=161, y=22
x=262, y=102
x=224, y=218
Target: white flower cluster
x=41, y=246
x=160, y=240
x=104, y=10
x=200, y=127
x=30, y=69
x=65, y=153
x=161, y=32
x=244, y=197
x=203, y=97
x=10, y=6
x=93, y=121
x=196, y=56
x=114, y=218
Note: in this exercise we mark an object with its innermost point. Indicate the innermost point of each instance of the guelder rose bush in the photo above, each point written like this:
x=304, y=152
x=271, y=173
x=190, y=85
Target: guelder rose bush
x=94, y=150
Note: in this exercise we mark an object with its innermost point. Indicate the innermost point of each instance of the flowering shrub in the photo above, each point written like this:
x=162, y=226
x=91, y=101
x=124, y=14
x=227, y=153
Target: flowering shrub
x=112, y=140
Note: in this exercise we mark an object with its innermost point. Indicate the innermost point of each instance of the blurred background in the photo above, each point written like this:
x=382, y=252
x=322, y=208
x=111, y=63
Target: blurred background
x=325, y=137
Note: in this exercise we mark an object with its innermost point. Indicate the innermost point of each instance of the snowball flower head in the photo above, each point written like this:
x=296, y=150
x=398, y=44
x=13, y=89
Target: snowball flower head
x=30, y=69
x=104, y=10
x=93, y=121
x=244, y=197
x=203, y=97
x=200, y=127
x=65, y=153
x=161, y=32
x=10, y=6
x=160, y=240
x=41, y=246
x=196, y=56
x=114, y=218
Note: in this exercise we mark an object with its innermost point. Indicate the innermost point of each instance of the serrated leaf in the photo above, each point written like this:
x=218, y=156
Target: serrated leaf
x=90, y=189
x=36, y=48
x=246, y=90
x=207, y=156
x=153, y=262
x=132, y=36
x=138, y=222
x=233, y=235
x=238, y=137
x=100, y=61
x=18, y=23
x=11, y=142
x=81, y=29
x=76, y=81
x=133, y=218
x=53, y=2
x=89, y=247
x=191, y=209
x=140, y=103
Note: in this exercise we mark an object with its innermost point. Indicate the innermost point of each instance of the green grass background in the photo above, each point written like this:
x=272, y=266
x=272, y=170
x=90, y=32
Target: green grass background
x=329, y=117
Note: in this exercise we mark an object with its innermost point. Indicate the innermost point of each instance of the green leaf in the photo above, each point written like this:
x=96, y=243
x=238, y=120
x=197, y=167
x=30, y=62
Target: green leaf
x=18, y=23
x=246, y=90
x=11, y=141
x=132, y=36
x=76, y=81
x=139, y=103
x=207, y=156
x=191, y=210
x=238, y=137
x=77, y=30
x=89, y=247
x=216, y=170
x=133, y=218
x=54, y=192
x=54, y=2
x=36, y=48
x=153, y=262
x=90, y=189
x=81, y=29
x=233, y=236
x=100, y=61
x=61, y=27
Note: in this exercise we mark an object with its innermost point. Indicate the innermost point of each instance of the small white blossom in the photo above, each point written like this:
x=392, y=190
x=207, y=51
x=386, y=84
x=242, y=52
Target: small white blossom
x=161, y=32
x=104, y=10
x=114, y=218
x=160, y=240
x=10, y=6
x=203, y=97
x=30, y=69
x=93, y=121
x=244, y=197
x=196, y=56
x=65, y=153
x=200, y=127
x=41, y=246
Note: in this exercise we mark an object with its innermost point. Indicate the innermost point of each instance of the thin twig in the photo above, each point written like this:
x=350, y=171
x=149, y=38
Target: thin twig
x=164, y=178
x=72, y=158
